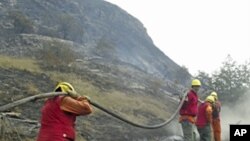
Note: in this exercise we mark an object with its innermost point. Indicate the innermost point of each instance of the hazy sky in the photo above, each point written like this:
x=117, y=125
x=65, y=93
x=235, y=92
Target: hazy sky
x=198, y=34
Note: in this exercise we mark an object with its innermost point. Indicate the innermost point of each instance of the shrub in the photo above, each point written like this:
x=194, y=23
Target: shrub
x=22, y=24
x=56, y=55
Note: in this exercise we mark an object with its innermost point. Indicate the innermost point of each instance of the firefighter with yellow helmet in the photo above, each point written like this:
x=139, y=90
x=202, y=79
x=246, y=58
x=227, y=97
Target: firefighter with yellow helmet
x=188, y=111
x=204, y=119
x=59, y=114
x=216, y=117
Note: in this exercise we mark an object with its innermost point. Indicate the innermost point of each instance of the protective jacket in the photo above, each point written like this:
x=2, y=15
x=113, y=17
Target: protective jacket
x=190, y=107
x=216, y=110
x=204, y=116
x=58, y=118
x=216, y=121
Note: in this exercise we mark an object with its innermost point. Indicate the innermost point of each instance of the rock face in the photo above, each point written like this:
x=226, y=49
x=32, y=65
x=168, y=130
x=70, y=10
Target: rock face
x=104, y=29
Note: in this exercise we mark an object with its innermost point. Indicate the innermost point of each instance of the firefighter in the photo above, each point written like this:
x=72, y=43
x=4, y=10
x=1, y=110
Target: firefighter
x=188, y=111
x=216, y=118
x=59, y=114
x=204, y=119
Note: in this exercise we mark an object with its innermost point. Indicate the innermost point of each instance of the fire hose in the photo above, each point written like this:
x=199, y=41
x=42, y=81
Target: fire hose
x=46, y=95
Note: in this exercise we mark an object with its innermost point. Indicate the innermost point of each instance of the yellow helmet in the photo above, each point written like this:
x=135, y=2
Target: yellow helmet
x=210, y=99
x=64, y=87
x=214, y=94
x=196, y=82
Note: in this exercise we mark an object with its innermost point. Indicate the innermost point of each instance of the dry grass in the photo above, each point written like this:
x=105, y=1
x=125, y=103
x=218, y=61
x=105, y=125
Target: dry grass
x=124, y=104
x=134, y=107
x=19, y=63
x=82, y=86
x=32, y=89
x=8, y=132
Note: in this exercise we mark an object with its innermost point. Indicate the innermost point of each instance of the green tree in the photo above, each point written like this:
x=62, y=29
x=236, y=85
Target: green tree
x=207, y=82
x=231, y=81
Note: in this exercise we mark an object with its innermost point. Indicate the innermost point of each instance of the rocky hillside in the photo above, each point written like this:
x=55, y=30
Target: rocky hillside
x=99, y=48
x=122, y=89
x=103, y=29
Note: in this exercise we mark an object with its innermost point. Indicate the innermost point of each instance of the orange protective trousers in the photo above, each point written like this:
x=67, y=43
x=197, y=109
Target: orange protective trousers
x=216, y=129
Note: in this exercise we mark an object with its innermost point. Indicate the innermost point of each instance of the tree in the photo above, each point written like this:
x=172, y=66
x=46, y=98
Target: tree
x=230, y=82
x=206, y=80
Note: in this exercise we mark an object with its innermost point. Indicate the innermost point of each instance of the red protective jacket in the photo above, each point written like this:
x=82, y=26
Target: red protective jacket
x=204, y=116
x=58, y=118
x=190, y=107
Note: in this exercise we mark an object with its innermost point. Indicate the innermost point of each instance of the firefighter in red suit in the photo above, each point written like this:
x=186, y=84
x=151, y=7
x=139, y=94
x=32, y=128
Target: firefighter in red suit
x=204, y=119
x=59, y=114
x=188, y=111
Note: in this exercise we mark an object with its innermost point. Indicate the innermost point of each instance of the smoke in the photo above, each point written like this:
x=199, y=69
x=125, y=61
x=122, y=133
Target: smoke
x=235, y=114
x=230, y=114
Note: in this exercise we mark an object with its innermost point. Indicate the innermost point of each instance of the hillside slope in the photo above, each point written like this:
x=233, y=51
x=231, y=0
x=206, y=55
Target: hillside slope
x=114, y=87
x=99, y=48
x=103, y=29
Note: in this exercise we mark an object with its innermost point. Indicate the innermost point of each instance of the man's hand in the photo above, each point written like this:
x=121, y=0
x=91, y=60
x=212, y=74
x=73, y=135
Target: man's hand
x=200, y=101
x=73, y=94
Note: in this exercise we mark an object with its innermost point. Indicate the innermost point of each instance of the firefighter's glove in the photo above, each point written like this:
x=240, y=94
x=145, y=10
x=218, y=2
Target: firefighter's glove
x=86, y=97
x=73, y=94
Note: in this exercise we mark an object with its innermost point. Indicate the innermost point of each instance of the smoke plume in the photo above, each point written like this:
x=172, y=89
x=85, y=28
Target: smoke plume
x=238, y=113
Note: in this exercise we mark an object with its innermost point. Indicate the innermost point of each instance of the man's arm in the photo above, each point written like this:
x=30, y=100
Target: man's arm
x=79, y=106
x=209, y=111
